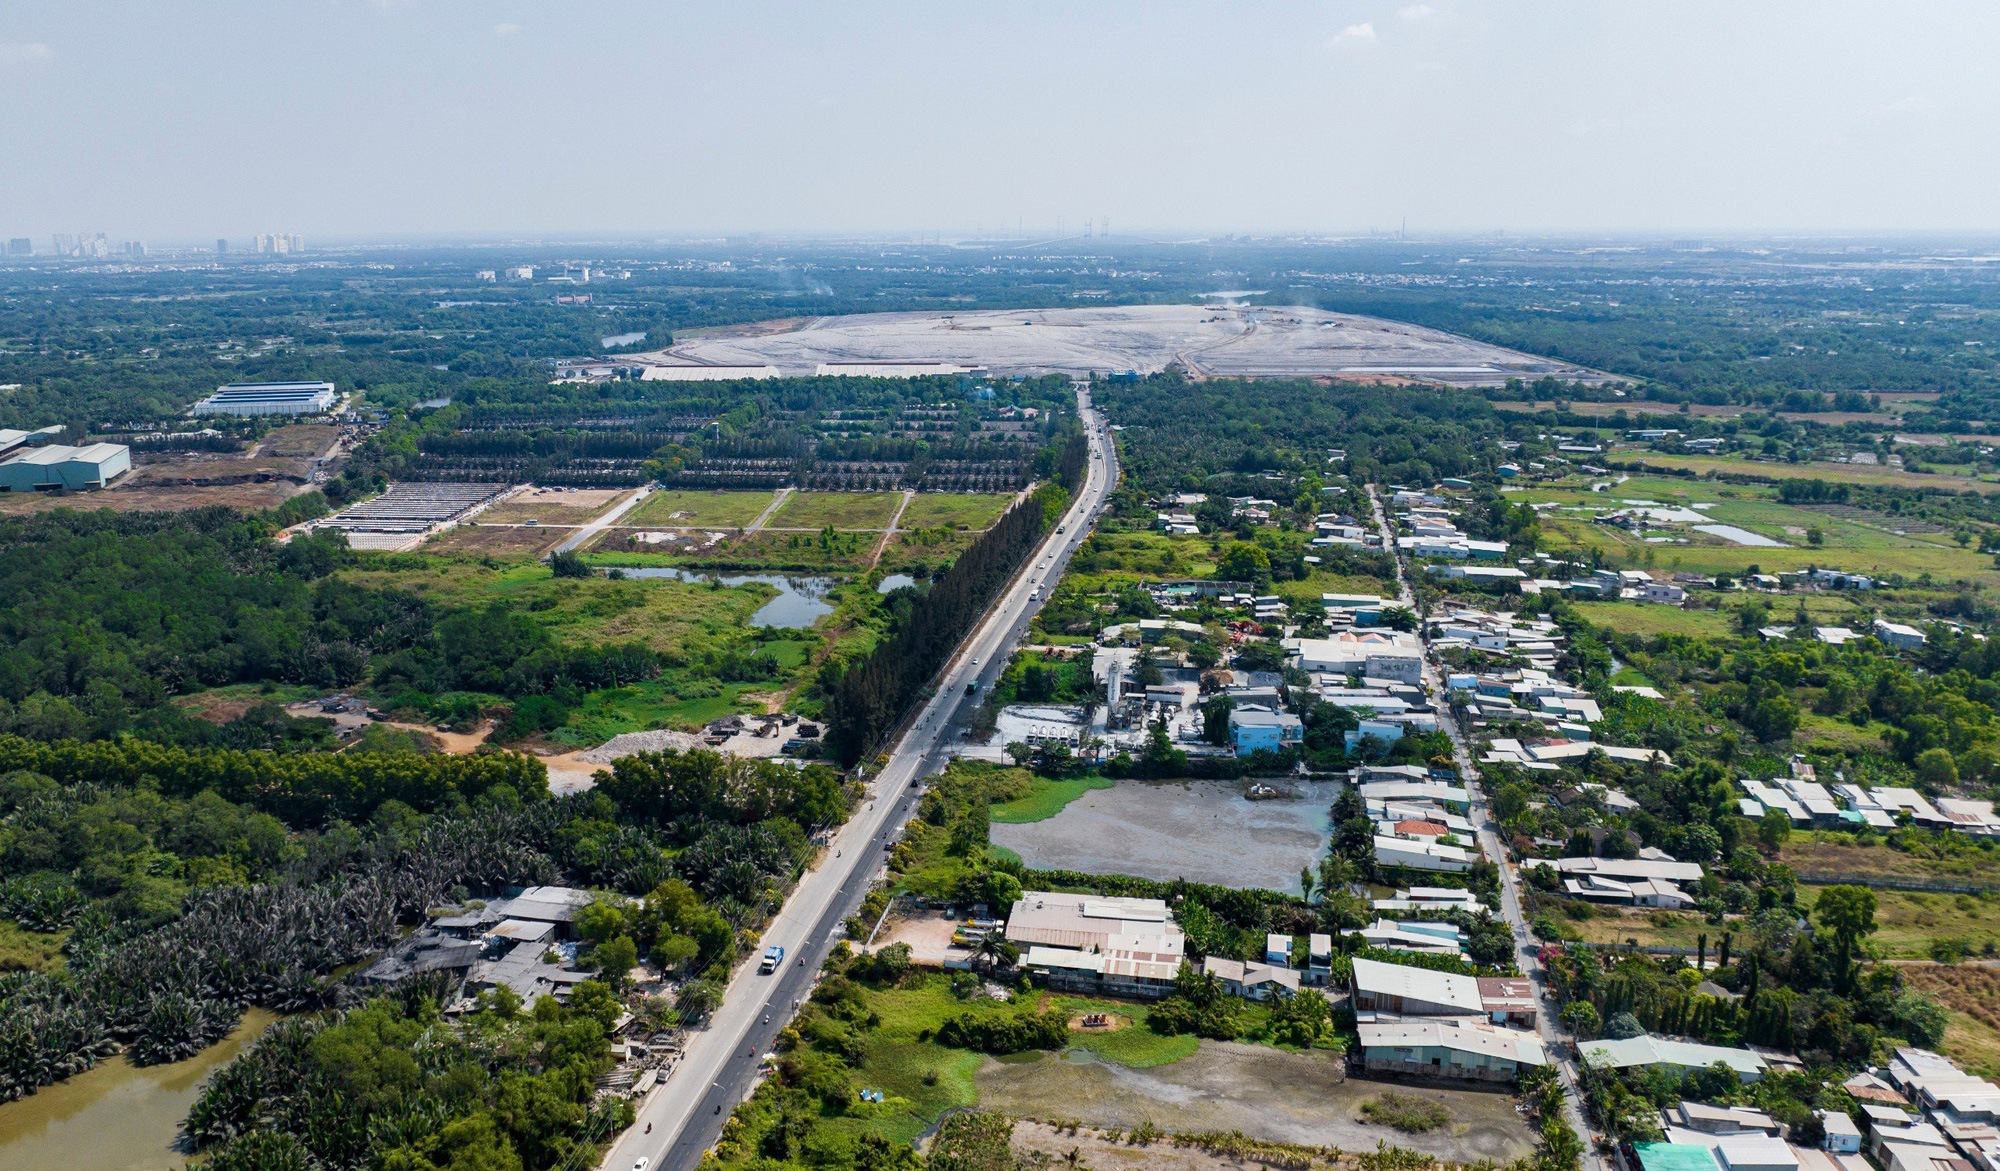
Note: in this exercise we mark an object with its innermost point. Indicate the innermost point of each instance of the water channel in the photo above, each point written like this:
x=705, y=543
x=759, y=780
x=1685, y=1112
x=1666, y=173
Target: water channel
x=801, y=601
x=114, y=1116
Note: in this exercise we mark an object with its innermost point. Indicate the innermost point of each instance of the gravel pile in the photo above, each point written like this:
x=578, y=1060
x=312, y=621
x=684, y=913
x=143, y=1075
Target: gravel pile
x=632, y=742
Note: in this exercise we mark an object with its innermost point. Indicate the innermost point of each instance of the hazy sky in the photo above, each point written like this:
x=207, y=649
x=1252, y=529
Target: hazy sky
x=179, y=119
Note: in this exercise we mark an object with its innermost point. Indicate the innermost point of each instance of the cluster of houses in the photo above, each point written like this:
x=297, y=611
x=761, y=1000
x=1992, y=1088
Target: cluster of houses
x=1431, y=533
x=1897, y=635
x=1420, y=818
x=1650, y=882
x=524, y=942
x=1805, y=802
x=1919, y=1113
x=1411, y=1020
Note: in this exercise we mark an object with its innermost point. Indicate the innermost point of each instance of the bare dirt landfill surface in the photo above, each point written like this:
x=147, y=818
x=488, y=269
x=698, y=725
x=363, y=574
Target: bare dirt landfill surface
x=1205, y=339
x=1266, y=1093
x=1203, y=831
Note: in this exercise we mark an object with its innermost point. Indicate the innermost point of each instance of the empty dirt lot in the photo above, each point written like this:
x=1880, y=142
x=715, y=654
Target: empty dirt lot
x=1266, y=1093
x=1262, y=342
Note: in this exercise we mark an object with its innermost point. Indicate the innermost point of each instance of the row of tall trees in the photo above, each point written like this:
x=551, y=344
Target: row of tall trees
x=867, y=698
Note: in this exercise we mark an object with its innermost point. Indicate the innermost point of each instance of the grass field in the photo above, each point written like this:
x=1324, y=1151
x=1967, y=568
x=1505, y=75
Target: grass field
x=22, y=950
x=760, y=551
x=682, y=509
x=1651, y=619
x=923, y=1079
x=1045, y=798
x=842, y=510
x=1907, y=921
x=935, y=548
x=1849, y=473
x=1971, y=997
x=951, y=510
x=663, y=614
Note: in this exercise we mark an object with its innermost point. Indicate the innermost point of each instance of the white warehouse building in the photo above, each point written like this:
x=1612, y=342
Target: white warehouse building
x=252, y=399
x=68, y=469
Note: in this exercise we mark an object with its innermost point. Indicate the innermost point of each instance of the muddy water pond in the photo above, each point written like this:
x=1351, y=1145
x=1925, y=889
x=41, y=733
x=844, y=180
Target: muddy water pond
x=114, y=1117
x=1203, y=831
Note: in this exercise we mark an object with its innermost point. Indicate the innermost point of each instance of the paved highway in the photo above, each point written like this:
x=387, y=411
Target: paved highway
x=683, y=1117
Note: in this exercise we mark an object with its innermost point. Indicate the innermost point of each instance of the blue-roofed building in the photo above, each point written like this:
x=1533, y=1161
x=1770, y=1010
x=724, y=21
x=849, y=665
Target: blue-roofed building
x=1254, y=727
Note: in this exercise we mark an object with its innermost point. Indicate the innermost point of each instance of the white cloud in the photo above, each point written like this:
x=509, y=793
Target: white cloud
x=1416, y=12
x=25, y=53
x=507, y=30
x=1363, y=33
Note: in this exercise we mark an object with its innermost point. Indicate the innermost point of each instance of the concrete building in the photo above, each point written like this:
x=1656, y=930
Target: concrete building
x=1253, y=728
x=1404, y=991
x=254, y=399
x=1098, y=943
x=1449, y=1048
x=1896, y=634
x=57, y=468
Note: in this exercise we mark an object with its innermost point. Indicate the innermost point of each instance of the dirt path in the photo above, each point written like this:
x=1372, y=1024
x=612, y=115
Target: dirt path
x=882, y=546
x=567, y=774
x=777, y=502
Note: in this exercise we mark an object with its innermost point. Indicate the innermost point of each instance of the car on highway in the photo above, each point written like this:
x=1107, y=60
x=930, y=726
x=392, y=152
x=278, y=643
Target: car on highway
x=641, y=1163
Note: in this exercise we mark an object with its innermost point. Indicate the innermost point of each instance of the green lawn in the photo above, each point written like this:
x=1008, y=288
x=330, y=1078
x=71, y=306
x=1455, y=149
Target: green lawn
x=1045, y=798
x=842, y=510
x=684, y=509
x=951, y=509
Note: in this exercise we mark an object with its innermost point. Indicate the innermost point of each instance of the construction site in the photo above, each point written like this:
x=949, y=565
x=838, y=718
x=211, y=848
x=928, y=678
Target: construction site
x=1206, y=341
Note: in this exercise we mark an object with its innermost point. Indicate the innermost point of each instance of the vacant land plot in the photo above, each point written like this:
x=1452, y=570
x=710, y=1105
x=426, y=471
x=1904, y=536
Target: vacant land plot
x=1827, y=853
x=300, y=439
x=842, y=510
x=555, y=506
x=1649, y=619
x=1850, y=473
x=1265, y=1093
x=953, y=510
x=931, y=548
x=1290, y=340
x=1907, y=922
x=718, y=510
x=489, y=540
x=1971, y=996
x=1594, y=924
x=1203, y=831
x=664, y=614
x=793, y=551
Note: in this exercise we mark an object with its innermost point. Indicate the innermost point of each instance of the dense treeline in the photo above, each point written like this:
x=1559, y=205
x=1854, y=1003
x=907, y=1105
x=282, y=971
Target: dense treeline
x=393, y=1083
x=302, y=788
x=865, y=699
x=171, y=991
x=159, y=605
x=1179, y=432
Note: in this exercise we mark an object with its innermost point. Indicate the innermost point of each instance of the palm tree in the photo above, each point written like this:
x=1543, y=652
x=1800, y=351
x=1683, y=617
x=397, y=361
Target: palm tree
x=993, y=951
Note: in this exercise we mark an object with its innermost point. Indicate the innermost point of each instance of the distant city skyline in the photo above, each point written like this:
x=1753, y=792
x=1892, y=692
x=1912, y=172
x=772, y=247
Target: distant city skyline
x=414, y=119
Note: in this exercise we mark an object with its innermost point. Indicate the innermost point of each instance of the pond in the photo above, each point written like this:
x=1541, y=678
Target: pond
x=115, y=1116
x=1740, y=536
x=895, y=581
x=1203, y=831
x=801, y=601
x=622, y=339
